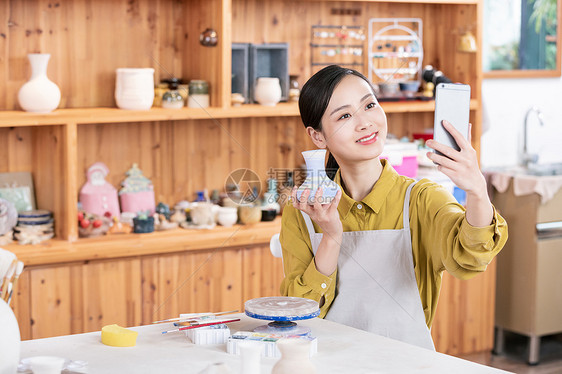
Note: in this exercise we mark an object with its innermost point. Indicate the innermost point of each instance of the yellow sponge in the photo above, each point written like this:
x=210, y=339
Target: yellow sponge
x=117, y=336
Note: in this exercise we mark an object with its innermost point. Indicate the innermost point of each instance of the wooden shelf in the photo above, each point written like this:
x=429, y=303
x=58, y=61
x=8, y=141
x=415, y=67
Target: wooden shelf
x=115, y=115
x=453, y=2
x=120, y=245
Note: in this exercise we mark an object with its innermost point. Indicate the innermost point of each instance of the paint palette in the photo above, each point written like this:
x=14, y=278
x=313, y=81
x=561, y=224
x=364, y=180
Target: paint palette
x=282, y=310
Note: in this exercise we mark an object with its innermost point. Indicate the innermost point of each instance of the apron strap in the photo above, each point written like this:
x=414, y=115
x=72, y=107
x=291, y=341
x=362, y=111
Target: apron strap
x=406, y=210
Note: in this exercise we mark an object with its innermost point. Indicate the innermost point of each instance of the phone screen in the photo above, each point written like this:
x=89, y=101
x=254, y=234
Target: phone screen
x=452, y=103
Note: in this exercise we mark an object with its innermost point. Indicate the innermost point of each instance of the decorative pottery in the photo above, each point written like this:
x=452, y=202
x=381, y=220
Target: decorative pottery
x=143, y=225
x=208, y=38
x=249, y=214
x=202, y=214
x=268, y=91
x=295, y=357
x=97, y=196
x=227, y=216
x=316, y=178
x=198, y=94
x=137, y=193
x=9, y=339
x=39, y=94
x=134, y=88
x=268, y=214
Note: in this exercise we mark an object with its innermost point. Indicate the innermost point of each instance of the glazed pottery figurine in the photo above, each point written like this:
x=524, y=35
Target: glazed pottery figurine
x=97, y=196
x=295, y=357
x=316, y=177
x=137, y=193
x=39, y=94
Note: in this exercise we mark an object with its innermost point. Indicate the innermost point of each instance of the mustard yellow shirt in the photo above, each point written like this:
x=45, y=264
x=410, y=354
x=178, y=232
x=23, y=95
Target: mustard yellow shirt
x=442, y=239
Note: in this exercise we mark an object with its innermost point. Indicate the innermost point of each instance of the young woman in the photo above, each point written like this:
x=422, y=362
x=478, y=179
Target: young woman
x=373, y=258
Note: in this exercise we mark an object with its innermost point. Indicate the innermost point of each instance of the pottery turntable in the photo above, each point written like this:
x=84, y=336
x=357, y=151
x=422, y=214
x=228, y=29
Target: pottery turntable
x=282, y=311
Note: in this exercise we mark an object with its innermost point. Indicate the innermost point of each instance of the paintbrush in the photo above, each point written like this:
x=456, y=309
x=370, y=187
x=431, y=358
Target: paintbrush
x=202, y=325
x=8, y=279
x=19, y=270
x=193, y=317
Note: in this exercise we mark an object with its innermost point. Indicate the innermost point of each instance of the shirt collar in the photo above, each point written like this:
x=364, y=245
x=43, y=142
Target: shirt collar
x=376, y=197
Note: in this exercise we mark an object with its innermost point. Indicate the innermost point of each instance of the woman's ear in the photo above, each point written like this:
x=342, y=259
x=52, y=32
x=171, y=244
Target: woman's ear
x=317, y=137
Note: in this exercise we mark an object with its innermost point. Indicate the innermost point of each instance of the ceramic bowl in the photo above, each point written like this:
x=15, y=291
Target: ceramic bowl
x=409, y=88
x=227, y=216
x=268, y=214
x=249, y=214
x=389, y=89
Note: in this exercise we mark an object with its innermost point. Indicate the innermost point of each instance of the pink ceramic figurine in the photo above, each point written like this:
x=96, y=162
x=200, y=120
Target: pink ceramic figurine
x=97, y=196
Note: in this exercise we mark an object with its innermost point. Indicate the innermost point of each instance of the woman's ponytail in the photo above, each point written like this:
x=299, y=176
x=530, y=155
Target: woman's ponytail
x=331, y=167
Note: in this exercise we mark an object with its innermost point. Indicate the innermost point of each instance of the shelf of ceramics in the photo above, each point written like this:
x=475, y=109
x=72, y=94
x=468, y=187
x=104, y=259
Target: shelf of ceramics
x=128, y=245
x=113, y=115
x=441, y=2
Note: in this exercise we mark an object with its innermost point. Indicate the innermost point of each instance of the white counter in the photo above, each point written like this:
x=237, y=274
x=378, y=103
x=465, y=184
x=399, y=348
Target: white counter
x=341, y=349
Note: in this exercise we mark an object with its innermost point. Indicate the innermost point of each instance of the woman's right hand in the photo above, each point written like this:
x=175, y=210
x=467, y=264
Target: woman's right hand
x=325, y=215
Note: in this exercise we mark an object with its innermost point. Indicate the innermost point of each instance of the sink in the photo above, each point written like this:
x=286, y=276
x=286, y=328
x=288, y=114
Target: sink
x=534, y=170
x=543, y=170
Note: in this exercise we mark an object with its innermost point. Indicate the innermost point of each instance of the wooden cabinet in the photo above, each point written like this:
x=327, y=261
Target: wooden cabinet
x=186, y=150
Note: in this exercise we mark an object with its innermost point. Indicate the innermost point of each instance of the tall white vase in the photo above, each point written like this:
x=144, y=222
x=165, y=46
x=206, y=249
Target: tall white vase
x=134, y=88
x=295, y=357
x=39, y=94
x=316, y=178
x=9, y=340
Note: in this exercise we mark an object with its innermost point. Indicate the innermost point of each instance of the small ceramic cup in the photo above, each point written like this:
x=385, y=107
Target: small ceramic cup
x=46, y=364
x=227, y=216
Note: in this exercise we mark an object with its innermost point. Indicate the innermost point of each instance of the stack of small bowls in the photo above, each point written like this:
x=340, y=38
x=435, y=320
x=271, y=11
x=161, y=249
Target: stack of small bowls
x=34, y=226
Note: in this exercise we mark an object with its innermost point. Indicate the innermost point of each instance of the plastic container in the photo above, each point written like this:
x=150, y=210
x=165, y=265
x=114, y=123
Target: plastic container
x=403, y=157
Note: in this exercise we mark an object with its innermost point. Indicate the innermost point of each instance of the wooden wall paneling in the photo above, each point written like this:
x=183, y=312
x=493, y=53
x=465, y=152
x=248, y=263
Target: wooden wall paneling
x=50, y=301
x=5, y=97
x=21, y=304
x=191, y=282
x=111, y=293
x=16, y=149
x=262, y=273
x=208, y=63
x=49, y=173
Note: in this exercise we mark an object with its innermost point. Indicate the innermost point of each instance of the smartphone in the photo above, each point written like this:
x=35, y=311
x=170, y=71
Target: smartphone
x=452, y=103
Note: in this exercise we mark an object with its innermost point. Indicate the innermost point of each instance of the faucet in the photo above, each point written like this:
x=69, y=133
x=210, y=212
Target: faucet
x=528, y=158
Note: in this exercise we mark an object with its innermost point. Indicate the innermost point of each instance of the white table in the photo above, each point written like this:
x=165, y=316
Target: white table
x=341, y=349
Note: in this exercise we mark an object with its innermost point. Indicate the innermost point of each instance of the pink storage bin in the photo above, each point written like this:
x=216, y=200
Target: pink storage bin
x=403, y=157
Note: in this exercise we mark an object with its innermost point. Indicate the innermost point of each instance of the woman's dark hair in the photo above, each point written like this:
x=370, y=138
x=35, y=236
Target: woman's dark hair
x=315, y=97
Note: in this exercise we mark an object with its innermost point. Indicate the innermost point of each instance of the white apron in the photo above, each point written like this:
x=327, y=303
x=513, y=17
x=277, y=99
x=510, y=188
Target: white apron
x=376, y=287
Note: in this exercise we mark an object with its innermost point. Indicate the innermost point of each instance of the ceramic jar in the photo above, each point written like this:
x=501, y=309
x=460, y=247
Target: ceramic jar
x=268, y=91
x=295, y=357
x=316, y=177
x=227, y=216
x=9, y=339
x=134, y=88
x=39, y=94
x=198, y=94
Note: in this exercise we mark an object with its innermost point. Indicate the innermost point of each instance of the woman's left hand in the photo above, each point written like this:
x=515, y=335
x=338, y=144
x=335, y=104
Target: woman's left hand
x=461, y=166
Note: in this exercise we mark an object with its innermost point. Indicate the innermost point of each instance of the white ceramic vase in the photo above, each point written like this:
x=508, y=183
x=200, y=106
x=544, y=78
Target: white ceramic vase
x=39, y=94
x=9, y=340
x=316, y=177
x=295, y=357
x=134, y=88
x=268, y=91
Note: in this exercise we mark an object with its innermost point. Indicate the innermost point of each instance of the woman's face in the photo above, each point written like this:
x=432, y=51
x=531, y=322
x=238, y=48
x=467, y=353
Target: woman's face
x=354, y=125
